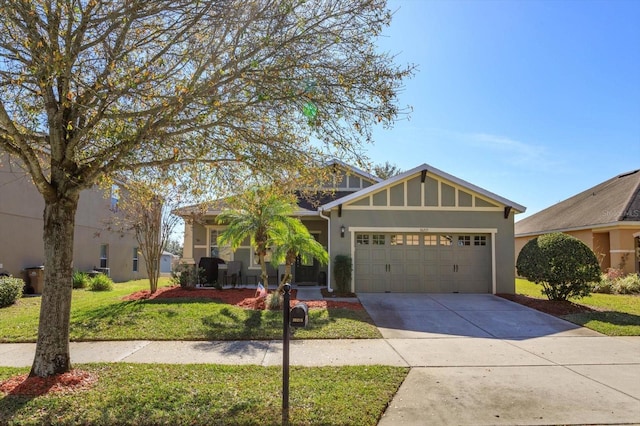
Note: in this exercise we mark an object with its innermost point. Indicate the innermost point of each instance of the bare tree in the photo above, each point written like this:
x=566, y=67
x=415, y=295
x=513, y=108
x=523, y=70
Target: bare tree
x=386, y=170
x=222, y=89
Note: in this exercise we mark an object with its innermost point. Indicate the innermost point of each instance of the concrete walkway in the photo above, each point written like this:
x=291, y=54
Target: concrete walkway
x=571, y=376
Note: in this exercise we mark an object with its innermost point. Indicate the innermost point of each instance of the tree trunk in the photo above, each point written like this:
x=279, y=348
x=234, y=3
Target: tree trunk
x=52, y=348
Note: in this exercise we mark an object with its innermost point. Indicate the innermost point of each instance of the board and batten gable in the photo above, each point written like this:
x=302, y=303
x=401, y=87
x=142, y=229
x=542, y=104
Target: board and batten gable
x=423, y=216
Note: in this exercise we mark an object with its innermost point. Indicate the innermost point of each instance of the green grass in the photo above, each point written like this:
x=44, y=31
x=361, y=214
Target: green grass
x=144, y=394
x=615, y=315
x=105, y=316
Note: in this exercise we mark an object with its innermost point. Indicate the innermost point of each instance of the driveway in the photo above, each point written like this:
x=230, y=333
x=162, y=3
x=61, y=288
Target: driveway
x=480, y=359
x=417, y=315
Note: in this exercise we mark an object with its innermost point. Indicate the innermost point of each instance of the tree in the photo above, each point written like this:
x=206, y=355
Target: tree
x=562, y=264
x=386, y=170
x=228, y=91
x=260, y=215
x=292, y=242
x=146, y=208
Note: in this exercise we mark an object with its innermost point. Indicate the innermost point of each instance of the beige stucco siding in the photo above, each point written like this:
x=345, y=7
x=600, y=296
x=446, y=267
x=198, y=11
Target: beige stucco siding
x=21, y=228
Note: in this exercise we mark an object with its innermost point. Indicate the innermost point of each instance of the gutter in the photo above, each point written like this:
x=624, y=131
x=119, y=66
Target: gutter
x=329, y=289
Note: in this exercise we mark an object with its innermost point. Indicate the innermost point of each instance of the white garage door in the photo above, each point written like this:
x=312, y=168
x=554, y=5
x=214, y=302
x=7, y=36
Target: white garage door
x=424, y=263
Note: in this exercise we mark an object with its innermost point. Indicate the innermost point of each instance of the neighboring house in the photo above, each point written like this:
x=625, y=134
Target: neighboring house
x=21, y=227
x=605, y=217
x=420, y=231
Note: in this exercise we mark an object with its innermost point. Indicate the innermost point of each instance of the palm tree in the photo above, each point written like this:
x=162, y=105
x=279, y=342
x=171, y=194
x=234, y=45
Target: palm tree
x=293, y=241
x=257, y=215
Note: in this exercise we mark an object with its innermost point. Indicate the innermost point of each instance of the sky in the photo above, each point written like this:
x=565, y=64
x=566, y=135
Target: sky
x=534, y=100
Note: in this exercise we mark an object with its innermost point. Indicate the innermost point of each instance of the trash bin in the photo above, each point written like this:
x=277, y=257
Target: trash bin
x=36, y=278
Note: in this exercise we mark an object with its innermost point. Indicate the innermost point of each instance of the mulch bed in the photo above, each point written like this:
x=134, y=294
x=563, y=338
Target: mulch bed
x=72, y=381
x=242, y=297
x=552, y=307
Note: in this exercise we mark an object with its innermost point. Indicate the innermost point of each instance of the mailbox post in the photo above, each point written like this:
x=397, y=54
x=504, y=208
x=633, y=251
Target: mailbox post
x=298, y=316
x=285, y=354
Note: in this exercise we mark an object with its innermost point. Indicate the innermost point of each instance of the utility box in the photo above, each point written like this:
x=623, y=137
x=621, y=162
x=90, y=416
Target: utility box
x=299, y=315
x=36, y=278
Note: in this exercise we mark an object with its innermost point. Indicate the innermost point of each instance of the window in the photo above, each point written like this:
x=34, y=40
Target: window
x=464, y=240
x=379, y=239
x=104, y=256
x=430, y=240
x=479, y=240
x=135, y=259
x=114, y=198
x=446, y=240
x=362, y=239
x=413, y=240
x=223, y=252
x=397, y=240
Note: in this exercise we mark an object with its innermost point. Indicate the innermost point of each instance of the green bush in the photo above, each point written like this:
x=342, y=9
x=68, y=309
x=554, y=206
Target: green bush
x=10, y=290
x=187, y=276
x=80, y=279
x=101, y=282
x=342, y=269
x=562, y=264
x=627, y=285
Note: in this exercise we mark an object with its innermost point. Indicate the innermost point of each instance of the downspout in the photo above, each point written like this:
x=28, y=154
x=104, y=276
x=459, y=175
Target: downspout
x=329, y=289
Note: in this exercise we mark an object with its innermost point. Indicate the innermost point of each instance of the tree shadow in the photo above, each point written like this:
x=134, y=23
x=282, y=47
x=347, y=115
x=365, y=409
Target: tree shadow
x=609, y=317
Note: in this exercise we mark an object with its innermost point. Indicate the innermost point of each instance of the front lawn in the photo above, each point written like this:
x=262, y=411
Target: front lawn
x=153, y=394
x=613, y=314
x=105, y=316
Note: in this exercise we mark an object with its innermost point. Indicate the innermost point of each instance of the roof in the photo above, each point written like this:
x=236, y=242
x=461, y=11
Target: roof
x=430, y=170
x=611, y=202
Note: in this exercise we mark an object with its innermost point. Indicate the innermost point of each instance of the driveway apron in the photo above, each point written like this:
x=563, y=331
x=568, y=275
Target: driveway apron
x=478, y=359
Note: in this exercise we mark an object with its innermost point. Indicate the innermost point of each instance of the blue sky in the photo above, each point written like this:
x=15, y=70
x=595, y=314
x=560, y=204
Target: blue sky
x=533, y=100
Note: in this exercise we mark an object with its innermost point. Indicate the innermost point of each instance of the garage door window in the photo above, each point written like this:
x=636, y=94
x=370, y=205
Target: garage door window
x=479, y=240
x=362, y=239
x=413, y=240
x=446, y=240
x=430, y=240
x=397, y=240
x=379, y=239
x=464, y=240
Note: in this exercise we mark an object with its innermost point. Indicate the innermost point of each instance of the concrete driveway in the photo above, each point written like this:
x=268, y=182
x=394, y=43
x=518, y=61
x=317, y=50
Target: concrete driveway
x=483, y=360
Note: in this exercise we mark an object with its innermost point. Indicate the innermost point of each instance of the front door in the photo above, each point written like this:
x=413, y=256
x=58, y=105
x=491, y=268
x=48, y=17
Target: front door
x=306, y=272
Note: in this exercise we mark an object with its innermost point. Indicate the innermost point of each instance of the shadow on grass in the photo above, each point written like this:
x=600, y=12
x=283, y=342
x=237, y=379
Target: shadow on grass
x=608, y=317
x=10, y=405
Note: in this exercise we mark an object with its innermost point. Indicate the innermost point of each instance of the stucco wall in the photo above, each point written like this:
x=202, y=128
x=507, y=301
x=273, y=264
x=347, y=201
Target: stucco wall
x=21, y=227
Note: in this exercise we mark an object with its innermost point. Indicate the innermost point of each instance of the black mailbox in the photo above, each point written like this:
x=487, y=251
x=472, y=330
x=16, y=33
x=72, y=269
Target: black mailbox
x=299, y=315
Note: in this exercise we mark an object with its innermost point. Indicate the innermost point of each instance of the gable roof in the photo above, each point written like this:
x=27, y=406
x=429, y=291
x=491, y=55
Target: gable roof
x=613, y=201
x=353, y=169
x=431, y=171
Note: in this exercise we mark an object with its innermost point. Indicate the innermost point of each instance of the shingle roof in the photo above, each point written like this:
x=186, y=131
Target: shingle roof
x=612, y=201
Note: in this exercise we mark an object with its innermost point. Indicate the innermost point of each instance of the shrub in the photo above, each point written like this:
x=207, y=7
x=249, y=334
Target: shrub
x=627, y=285
x=562, y=264
x=604, y=286
x=10, y=290
x=187, y=276
x=80, y=279
x=101, y=282
x=342, y=268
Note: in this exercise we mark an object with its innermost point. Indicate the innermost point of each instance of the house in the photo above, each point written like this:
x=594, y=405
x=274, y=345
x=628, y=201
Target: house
x=21, y=227
x=606, y=218
x=421, y=231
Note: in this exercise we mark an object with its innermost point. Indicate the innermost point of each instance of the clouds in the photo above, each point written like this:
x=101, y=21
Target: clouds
x=513, y=151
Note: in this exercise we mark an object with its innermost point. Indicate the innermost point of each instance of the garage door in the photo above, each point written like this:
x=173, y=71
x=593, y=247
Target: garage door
x=425, y=263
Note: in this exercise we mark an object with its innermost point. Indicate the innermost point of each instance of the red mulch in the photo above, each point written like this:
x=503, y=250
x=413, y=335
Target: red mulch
x=242, y=297
x=72, y=381
x=552, y=307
